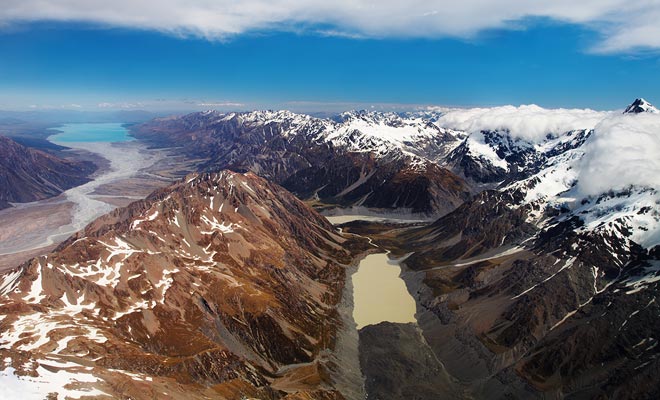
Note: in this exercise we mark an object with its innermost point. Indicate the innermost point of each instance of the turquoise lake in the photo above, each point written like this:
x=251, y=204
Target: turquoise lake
x=88, y=133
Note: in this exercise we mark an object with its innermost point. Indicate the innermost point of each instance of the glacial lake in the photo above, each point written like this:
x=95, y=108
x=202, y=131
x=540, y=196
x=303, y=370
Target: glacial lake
x=91, y=133
x=379, y=293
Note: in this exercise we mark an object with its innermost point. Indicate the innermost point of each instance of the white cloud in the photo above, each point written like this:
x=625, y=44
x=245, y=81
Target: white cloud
x=624, y=25
x=171, y=105
x=528, y=122
x=220, y=104
x=120, y=105
x=71, y=106
x=624, y=150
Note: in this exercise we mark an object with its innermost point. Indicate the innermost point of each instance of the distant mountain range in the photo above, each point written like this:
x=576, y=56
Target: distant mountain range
x=375, y=160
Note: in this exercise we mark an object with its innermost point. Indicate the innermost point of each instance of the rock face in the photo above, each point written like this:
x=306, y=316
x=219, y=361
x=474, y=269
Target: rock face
x=497, y=158
x=364, y=159
x=221, y=285
x=397, y=364
x=514, y=310
x=29, y=175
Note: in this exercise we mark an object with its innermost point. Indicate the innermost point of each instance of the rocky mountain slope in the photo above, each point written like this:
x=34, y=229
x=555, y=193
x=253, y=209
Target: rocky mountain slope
x=548, y=286
x=364, y=159
x=222, y=285
x=28, y=175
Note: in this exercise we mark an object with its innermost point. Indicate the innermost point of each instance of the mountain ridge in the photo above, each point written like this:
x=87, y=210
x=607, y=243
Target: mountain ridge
x=28, y=174
x=330, y=161
x=188, y=292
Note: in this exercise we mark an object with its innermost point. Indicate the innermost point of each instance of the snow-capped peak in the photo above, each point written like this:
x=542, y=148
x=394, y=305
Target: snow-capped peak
x=641, y=106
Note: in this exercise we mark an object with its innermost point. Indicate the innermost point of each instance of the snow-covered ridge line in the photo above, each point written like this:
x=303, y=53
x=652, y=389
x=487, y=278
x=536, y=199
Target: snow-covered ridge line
x=565, y=158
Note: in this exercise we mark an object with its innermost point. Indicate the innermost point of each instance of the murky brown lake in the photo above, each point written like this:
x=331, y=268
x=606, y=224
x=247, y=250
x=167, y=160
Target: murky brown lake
x=379, y=294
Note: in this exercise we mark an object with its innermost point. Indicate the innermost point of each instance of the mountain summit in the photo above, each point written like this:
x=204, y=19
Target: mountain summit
x=640, y=106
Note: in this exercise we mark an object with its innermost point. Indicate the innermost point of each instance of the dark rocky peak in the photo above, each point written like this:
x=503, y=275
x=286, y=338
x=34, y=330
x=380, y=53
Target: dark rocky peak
x=641, y=106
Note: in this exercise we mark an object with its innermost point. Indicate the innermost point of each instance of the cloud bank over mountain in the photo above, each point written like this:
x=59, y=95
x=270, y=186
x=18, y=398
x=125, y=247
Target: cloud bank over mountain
x=528, y=122
x=623, y=151
x=622, y=25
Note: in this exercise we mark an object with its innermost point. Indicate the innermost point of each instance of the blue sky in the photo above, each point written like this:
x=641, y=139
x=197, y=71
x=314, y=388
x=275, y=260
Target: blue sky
x=90, y=65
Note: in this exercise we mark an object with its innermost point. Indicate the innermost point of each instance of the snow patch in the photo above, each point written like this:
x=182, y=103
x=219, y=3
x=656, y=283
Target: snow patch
x=70, y=382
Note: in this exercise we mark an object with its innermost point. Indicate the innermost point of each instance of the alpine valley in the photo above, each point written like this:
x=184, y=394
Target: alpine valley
x=528, y=238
